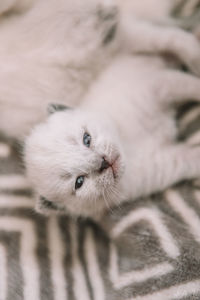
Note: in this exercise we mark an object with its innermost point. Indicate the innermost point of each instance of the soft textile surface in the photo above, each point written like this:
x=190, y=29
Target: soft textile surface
x=147, y=249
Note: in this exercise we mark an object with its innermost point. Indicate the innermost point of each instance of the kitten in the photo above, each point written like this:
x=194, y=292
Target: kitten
x=118, y=144
x=54, y=51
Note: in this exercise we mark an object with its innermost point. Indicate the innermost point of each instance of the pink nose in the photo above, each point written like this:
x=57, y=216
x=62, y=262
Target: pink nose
x=104, y=165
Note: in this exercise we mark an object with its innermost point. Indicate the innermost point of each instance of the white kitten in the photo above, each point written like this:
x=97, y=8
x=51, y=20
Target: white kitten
x=119, y=144
x=56, y=49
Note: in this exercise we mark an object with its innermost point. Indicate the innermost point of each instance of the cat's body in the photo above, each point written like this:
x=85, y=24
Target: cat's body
x=54, y=49
x=48, y=54
x=119, y=144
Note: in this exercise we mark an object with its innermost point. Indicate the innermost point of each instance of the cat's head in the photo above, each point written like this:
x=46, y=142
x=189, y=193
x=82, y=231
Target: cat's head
x=74, y=160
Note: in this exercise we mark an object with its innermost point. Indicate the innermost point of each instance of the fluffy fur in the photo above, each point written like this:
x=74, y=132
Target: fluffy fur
x=52, y=50
x=129, y=115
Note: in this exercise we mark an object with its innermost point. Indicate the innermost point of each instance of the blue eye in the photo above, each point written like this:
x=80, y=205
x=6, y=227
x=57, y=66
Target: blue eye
x=79, y=182
x=87, y=139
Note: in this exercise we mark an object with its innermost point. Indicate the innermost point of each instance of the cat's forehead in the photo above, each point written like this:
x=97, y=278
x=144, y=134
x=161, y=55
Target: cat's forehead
x=68, y=122
x=59, y=142
x=72, y=125
x=75, y=119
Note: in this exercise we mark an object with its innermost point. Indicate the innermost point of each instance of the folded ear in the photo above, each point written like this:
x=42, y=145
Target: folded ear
x=46, y=207
x=55, y=107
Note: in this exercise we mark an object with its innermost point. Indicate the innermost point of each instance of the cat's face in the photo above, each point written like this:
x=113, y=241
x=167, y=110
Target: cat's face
x=74, y=159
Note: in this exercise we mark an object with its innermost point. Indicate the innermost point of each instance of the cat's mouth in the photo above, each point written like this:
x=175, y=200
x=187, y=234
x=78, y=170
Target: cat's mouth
x=115, y=167
x=112, y=165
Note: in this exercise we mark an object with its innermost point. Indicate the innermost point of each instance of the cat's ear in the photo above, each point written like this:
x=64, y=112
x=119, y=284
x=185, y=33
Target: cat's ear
x=46, y=207
x=55, y=107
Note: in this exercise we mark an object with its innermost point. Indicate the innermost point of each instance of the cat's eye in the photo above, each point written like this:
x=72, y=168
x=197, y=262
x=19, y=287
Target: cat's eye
x=79, y=182
x=87, y=139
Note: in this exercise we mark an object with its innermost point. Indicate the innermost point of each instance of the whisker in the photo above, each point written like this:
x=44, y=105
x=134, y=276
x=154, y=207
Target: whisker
x=106, y=202
x=109, y=206
x=116, y=194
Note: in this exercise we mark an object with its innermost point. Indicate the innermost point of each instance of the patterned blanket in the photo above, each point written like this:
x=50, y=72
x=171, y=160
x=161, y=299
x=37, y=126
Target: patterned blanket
x=148, y=249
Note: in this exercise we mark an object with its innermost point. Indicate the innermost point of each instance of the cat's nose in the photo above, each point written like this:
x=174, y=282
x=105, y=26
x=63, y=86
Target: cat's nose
x=104, y=165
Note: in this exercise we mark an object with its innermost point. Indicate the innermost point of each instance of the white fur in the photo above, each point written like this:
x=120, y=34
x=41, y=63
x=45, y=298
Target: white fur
x=53, y=50
x=128, y=113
